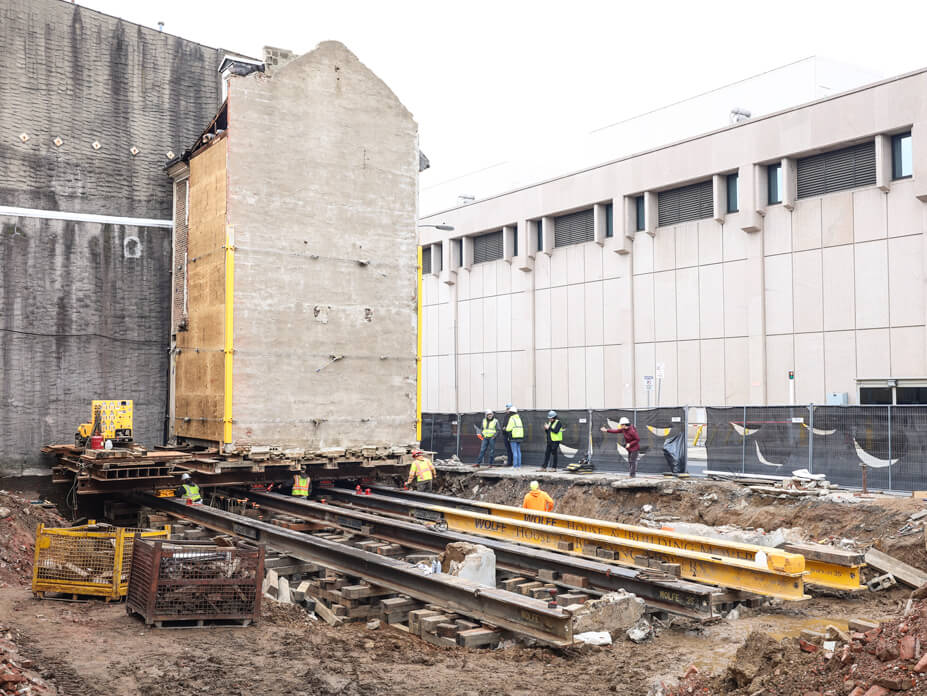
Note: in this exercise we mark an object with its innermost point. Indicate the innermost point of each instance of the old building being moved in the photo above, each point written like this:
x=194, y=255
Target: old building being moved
x=294, y=314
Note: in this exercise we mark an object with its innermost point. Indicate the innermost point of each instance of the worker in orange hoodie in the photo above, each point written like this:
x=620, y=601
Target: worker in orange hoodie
x=536, y=499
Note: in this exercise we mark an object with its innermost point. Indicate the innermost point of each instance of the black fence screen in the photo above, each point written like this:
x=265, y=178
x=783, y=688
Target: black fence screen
x=887, y=444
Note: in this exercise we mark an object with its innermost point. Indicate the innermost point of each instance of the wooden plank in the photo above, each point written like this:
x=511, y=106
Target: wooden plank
x=327, y=614
x=909, y=575
x=826, y=554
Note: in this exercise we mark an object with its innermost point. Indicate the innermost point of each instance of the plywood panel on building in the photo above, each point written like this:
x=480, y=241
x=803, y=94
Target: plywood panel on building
x=200, y=364
x=868, y=214
x=778, y=281
x=687, y=307
x=808, y=290
x=643, y=307
x=906, y=280
x=806, y=224
x=908, y=352
x=809, y=368
x=837, y=219
x=664, y=306
x=839, y=288
x=873, y=354
x=871, y=271
x=840, y=362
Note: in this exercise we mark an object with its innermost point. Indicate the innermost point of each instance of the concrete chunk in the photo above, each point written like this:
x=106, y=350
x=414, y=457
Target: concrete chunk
x=613, y=611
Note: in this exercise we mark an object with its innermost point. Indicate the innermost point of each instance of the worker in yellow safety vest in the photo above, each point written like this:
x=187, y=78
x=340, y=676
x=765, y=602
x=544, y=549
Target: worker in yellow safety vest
x=516, y=432
x=423, y=471
x=301, y=484
x=189, y=491
x=488, y=435
x=554, y=429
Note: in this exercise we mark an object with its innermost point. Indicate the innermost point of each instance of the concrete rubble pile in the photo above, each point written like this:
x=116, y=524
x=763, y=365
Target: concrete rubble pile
x=17, y=674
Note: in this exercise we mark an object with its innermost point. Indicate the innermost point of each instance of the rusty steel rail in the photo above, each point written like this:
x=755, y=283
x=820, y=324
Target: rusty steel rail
x=677, y=596
x=507, y=610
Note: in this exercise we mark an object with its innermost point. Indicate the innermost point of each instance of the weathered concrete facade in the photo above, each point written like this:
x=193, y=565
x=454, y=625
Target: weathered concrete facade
x=321, y=164
x=91, y=107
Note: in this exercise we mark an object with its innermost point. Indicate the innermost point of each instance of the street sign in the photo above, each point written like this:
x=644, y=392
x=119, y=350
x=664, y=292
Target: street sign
x=648, y=382
x=661, y=370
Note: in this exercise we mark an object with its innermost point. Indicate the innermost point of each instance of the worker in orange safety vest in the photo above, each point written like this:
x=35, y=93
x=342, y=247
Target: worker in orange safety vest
x=536, y=499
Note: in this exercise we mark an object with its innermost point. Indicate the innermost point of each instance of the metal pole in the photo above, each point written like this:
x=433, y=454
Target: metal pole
x=457, y=449
x=743, y=444
x=889, y=447
x=811, y=438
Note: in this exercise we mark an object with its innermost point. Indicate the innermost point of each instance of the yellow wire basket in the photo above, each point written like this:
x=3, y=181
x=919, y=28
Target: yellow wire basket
x=90, y=559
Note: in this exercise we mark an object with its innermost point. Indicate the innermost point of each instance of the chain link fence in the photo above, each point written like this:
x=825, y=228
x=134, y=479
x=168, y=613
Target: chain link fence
x=886, y=444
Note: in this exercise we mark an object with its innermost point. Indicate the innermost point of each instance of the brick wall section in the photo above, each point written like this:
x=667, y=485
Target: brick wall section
x=67, y=288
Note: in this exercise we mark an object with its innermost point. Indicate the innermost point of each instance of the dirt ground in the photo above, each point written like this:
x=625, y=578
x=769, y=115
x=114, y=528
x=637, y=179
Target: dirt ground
x=93, y=648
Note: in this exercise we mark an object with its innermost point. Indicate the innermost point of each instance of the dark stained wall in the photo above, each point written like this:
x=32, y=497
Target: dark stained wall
x=82, y=316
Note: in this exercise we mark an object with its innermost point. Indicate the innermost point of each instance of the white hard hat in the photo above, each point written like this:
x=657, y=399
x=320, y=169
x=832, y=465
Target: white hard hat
x=551, y=414
x=185, y=477
x=489, y=411
x=513, y=410
x=623, y=421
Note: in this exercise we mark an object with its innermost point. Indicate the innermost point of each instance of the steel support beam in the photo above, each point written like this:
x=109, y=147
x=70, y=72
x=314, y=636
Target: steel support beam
x=510, y=611
x=677, y=596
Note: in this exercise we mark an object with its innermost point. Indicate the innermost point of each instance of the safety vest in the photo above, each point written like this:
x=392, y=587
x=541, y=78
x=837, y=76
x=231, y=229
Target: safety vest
x=422, y=470
x=558, y=436
x=489, y=428
x=191, y=492
x=301, y=487
x=515, y=427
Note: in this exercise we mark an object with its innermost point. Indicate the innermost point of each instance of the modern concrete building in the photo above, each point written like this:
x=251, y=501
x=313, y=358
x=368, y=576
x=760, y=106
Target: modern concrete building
x=788, y=245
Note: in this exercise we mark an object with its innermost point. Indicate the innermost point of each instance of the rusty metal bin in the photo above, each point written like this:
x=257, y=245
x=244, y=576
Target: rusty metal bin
x=89, y=559
x=195, y=582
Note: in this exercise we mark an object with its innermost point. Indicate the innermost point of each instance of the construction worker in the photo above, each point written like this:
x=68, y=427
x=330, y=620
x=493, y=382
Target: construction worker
x=536, y=499
x=516, y=432
x=301, y=484
x=488, y=434
x=423, y=471
x=553, y=429
x=632, y=442
x=189, y=491
x=505, y=434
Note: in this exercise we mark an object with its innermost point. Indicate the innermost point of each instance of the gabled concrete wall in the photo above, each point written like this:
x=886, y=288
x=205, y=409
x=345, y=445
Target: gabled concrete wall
x=323, y=170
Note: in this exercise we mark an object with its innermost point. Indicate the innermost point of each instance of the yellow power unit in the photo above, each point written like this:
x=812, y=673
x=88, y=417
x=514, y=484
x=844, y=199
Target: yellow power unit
x=89, y=559
x=113, y=418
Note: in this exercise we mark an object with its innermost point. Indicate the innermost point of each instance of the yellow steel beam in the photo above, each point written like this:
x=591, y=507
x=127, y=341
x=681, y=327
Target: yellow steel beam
x=709, y=568
x=817, y=572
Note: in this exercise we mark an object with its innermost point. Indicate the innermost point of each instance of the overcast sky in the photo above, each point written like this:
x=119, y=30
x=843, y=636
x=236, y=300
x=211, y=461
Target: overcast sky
x=486, y=79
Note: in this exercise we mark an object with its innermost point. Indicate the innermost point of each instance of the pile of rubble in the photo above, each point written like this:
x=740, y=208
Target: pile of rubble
x=19, y=518
x=868, y=659
x=17, y=675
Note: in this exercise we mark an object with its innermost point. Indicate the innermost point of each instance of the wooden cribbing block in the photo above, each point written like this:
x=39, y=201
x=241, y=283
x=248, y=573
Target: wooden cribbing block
x=475, y=637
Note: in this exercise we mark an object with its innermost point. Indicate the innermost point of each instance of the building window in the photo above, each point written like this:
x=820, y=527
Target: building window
x=640, y=223
x=731, y=181
x=514, y=240
x=774, y=183
x=574, y=228
x=426, y=260
x=902, y=164
x=440, y=249
x=487, y=247
x=539, y=229
x=609, y=221
x=692, y=202
x=893, y=392
x=457, y=249
x=837, y=170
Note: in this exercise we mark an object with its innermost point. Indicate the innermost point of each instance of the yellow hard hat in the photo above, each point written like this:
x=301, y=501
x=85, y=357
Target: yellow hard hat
x=535, y=485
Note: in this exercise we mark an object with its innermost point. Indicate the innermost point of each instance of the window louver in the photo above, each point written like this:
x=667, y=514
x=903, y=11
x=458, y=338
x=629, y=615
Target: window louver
x=692, y=202
x=487, y=247
x=574, y=228
x=847, y=168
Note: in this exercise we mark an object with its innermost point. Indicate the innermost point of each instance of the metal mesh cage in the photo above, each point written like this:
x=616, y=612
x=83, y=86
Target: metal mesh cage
x=90, y=559
x=195, y=581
